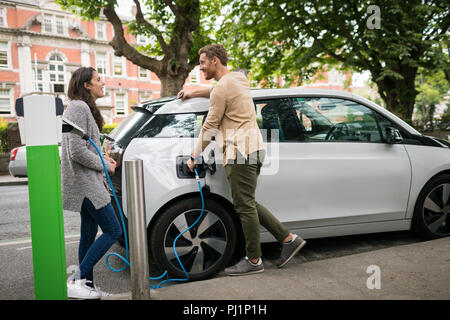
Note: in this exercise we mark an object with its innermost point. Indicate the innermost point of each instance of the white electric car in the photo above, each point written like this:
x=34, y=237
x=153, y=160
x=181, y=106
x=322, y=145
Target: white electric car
x=336, y=164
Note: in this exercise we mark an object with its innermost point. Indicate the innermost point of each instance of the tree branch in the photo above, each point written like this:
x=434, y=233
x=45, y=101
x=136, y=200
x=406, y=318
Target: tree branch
x=140, y=19
x=122, y=48
x=175, y=9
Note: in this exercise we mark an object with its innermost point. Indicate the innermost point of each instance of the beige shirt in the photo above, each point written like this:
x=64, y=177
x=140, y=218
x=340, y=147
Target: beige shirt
x=231, y=119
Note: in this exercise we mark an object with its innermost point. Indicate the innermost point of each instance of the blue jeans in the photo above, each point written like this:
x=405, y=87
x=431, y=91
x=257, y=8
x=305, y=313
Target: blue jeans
x=90, y=251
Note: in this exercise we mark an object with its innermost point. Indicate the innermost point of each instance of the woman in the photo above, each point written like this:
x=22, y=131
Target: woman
x=83, y=189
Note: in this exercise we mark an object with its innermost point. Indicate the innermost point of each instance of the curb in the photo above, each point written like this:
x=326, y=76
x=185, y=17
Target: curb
x=13, y=182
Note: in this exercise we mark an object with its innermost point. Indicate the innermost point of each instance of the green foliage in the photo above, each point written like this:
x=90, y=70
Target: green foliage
x=3, y=137
x=432, y=87
x=107, y=128
x=294, y=38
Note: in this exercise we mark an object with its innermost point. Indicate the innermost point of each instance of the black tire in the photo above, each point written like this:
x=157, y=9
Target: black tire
x=204, y=250
x=431, y=218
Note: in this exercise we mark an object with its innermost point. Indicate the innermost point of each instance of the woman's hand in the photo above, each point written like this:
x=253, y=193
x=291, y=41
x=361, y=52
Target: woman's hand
x=113, y=165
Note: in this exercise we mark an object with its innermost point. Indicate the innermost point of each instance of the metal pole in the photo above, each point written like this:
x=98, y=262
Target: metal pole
x=134, y=176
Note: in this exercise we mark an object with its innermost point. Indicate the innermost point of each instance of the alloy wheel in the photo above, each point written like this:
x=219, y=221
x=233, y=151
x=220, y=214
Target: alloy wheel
x=200, y=247
x=436, y=210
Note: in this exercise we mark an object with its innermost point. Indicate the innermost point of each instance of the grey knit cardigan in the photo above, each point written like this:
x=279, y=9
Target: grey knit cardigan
x=81, y=167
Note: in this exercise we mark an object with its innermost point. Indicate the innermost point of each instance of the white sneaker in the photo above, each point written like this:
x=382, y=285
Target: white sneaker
x=102, y=293
x=79, y=290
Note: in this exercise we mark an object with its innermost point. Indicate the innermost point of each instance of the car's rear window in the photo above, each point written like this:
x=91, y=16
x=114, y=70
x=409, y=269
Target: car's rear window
x=173, y=126
x=127, y=129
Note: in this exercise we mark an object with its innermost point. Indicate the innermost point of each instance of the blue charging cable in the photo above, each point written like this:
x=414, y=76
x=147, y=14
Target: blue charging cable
x=126, y=259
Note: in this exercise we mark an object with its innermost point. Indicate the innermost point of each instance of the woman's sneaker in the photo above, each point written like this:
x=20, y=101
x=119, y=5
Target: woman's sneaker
x=102, y=293
x=79, y=290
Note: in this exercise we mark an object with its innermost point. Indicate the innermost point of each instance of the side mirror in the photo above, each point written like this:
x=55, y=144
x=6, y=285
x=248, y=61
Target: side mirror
x=393, y=135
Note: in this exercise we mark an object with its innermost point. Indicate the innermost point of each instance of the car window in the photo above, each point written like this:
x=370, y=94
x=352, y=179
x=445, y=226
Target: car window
x=126, y=130
x=278, y=120
x=327, y=119
x=173, y=125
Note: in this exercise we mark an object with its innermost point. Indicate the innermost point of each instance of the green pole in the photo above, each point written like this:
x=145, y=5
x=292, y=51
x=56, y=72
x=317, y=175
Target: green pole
x=39, y=118
x=47, y=226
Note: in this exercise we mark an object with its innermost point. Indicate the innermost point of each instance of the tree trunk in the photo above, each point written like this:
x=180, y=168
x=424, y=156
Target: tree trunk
x=399, y=94
x=171, y=85
x=172, y=75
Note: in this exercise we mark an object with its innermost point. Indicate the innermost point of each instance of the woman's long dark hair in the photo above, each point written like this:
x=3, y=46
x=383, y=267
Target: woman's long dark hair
x=77, y=91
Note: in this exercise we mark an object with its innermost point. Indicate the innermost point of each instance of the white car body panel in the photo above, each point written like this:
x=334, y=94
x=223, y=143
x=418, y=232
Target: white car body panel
x=360, y=182
x=426, y=162
x=160, y=177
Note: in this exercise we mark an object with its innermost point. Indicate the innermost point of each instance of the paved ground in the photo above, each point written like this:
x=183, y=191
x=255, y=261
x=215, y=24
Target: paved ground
x=414, y=271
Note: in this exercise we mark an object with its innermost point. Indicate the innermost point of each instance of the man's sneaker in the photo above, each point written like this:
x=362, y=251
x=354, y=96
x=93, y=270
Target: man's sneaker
x=79, y=290
x=244, y=267
x=289, y=250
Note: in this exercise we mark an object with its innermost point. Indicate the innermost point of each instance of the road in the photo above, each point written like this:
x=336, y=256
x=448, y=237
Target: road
x=16, y=278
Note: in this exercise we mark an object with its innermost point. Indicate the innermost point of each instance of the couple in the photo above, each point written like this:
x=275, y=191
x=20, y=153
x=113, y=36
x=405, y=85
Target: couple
x=82, y=170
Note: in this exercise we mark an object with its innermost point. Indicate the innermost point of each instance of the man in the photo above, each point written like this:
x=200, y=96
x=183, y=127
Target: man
x=232, y=115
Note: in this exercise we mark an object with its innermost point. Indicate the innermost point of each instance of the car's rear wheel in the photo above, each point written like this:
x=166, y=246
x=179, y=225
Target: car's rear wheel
x=432, y=211
x=203, y=250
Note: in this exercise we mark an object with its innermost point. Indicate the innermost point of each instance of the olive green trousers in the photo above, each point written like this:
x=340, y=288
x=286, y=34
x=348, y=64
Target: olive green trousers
x=243, y=176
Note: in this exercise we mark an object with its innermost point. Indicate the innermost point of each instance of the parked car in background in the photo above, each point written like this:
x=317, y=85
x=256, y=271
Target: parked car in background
x=18, y=162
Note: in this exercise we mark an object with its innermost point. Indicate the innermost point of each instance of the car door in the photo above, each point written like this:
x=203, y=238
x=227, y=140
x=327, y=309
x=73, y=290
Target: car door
x=327, y=163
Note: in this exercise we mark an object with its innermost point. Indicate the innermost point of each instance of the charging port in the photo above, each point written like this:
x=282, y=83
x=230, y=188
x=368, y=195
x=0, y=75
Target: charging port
x=183, y=171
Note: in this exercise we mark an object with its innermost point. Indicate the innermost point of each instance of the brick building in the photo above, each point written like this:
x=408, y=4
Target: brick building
x=41, y=45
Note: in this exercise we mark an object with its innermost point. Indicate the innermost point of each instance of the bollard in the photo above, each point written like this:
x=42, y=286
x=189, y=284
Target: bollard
x=134, y=177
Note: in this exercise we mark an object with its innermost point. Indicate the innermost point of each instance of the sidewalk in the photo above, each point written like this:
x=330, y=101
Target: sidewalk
x=8, y=180
x=416, y=271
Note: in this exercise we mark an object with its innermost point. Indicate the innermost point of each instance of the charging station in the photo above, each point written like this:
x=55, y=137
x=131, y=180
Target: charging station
x=40, y=125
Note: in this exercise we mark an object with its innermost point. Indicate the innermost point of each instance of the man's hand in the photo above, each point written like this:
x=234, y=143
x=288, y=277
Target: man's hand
x=203, y=92
x=183, y=95
x=191, y=165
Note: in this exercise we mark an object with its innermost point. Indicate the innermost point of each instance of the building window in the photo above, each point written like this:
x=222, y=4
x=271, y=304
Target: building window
x=3, y=17
x=56, y=73
x=145, y=96
x=4, y=55
x=195, y=75
x=48, y=27
x=59, y=24
x=120, y=104
x=144, y=73
x=118, y=66
x=100, y=63
x=5, y=101
x=100, y=31
x=39, y=80
x=55, y=24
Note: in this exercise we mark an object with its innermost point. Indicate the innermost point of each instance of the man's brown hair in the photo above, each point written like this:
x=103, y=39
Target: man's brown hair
x=215, y=50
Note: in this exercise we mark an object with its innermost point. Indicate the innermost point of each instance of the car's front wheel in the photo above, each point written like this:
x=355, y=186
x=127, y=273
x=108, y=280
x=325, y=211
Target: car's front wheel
x=203, y=250
x=432, y=211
